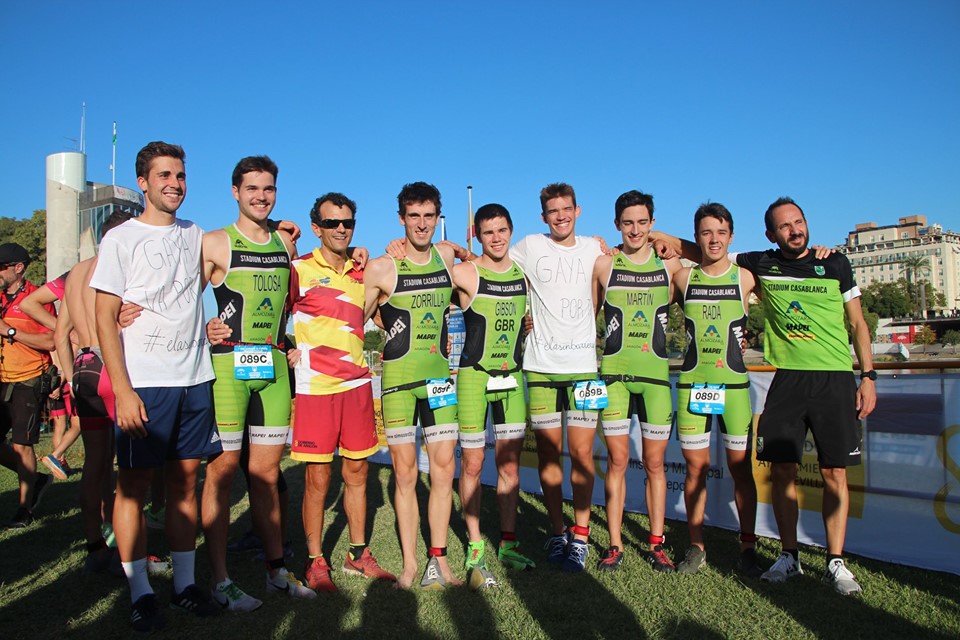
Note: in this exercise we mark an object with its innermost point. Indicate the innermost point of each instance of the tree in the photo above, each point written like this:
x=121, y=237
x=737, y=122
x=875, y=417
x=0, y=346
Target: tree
x=31, y=234
x=374, y=340
x=755, y=324
x=872, y=320
x=915, y=266
x=676, y=330
x=924, y=336
x=952, y=338
x=888, y=299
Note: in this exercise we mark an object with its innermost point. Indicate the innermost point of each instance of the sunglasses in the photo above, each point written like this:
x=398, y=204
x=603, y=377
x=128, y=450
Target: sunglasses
x=330, y=223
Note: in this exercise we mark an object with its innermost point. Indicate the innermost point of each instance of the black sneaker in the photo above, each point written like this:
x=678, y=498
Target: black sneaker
x=747, y=564
x=611, y=559
x=21, y=519
x=248, y=542
x=659, y=560
x=693, y=560
x=145, y=615
x=195, y=601
x=40, y=486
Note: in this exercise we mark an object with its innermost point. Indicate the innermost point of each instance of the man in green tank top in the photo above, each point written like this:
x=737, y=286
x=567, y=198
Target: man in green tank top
x=493, y=295
x=715, y=295
x=633, y=288
x=413, y=297
x=248, y=266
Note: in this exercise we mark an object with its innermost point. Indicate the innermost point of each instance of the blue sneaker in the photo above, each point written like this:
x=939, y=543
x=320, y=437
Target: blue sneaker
x=556, y=547
x=576, y=560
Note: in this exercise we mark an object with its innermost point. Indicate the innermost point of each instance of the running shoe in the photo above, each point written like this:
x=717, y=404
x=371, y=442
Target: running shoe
x=21, y=519
x=261, y=555
x=157, y=566
x=479, y=577
x=98, y=561
x=511, y=557
x=611, y=560
x=576, y=560
x=556, y=548
x=145, y=615
x=286, y=582
x=317, y=573
x=249, y=541
x=232, y=598
x=57, y=469
x=366, y=566
x=475, y=555
x=693, y=560
x=155, y=519
x=785, y=567
x=193, y=600
x=40, y=486
x=841, y=578
x=659, y=560
x=433, y=579
x=747, y=565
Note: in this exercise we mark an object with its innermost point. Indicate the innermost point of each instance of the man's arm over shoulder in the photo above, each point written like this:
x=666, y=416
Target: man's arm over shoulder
x=35, y=306
x=666, y=244
x=376, y=283
x=216, y=256
x=601, y=274
x=465, y=281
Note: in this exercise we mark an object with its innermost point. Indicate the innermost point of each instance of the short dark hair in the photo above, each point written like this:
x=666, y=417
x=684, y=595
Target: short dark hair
x=489, y=212
x=415, y=192
x=260, y=164
x=334, y=198
x=556, y=190
x=117, y=218
x=632, y=198
x=711, y=210
x=779, y=202
x=157, y=149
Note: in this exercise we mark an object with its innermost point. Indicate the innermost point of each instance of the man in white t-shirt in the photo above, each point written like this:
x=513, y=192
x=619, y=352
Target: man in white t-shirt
x=560, y=364
x=162, y=377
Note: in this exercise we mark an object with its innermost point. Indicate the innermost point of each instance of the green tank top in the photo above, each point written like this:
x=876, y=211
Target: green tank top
x=252, y=298
x=414, y=317
x=494, y=321
x=635, y=310
x=715, y=323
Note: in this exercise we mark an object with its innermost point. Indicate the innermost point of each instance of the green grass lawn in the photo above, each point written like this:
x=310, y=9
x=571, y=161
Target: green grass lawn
x=43, y=593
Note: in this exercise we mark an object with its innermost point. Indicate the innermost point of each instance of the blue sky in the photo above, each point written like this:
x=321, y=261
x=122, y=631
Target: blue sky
x=852, y=108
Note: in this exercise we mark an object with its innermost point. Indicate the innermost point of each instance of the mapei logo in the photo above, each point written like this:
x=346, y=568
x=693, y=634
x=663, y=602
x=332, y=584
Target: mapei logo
x=266, y=305
x=428, y=319
x=503, y=341
x=711, y=332
x=796, y=309
x=639, y=317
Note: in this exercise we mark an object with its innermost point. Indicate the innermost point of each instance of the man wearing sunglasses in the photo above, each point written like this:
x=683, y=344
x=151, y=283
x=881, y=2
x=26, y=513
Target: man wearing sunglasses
x=334, y=397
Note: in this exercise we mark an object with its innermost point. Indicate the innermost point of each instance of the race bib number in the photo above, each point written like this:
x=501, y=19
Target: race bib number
x=252, y=362
x=501, y=383
x=441, y=393
x=707, y=399
x=590, y=394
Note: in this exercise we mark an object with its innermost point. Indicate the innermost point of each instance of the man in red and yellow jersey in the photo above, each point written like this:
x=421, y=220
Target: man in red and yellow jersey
x=25, y=349
x=334, y=400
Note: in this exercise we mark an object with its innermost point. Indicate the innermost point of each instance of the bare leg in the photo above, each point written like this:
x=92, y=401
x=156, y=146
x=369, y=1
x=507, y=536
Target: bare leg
x=316, y=485
x=355, y=498
x=128, y=523
x=97, y=463
x=404, y=458
x=27, y=470
x=508, y=481
x=471, y=464
x=618, y=456
x=695, y=492
x=549, y=447
x=784, y=487
x=836, y=506
x=216, y=510
x=264, y=469
x=653, y=451
x=744, y=492
x=181, y=484
x=440, y=502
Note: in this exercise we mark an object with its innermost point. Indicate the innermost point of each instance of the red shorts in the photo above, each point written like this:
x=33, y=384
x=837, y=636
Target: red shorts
x=60, y=406
x=322, y=424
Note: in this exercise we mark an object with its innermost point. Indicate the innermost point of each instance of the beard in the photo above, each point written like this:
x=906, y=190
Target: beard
x=792, y=252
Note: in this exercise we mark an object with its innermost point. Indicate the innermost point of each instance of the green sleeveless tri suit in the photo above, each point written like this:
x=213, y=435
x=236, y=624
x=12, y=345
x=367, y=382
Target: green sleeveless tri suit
x=495, y=330
x=715, y=324
x=251, y=300
x=414, y=317
x=634, y=363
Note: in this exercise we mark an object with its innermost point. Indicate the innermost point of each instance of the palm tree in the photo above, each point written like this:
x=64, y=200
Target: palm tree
x=915, y=266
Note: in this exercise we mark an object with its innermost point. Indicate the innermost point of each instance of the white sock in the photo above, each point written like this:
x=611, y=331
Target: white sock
x=223, y=585
x=137, y=578
x=279, y=578
x=183, y=562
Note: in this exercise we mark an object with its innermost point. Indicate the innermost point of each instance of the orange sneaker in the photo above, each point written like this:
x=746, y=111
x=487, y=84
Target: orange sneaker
x=366, y=567
x=317, y=573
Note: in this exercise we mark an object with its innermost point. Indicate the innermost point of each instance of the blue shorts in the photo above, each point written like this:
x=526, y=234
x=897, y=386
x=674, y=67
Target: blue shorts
x=181, y=426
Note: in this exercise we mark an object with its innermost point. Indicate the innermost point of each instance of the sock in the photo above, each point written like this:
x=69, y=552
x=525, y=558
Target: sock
x=794, y=552
x=356, y=550
x=137, y=578
x=223, y=585
x=183, y=562
x=831, y=557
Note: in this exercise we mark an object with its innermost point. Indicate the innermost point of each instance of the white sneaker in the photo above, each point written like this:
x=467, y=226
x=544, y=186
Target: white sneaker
x=231, y=597
x=785, y=567
x=841, y=578
x=286, y=582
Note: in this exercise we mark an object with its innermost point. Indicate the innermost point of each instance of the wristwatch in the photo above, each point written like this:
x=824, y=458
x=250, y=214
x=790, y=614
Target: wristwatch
x=869, y=375
x=11, y=332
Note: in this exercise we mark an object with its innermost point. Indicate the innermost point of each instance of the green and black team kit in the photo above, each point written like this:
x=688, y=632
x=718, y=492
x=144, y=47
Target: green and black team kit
x=805, y=337
x=634, y=364
x=489, y=377
x=252, y=300
x=414, y=317
x=713, y=363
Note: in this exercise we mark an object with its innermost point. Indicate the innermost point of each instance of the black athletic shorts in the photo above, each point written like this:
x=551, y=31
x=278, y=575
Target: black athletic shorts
x=21, y=406
x=825, y=402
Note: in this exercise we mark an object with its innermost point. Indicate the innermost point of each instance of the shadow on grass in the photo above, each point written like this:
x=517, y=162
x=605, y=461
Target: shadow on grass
x=386, y=613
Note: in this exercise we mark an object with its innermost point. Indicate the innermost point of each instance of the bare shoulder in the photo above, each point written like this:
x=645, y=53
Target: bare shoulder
x=378, y=270
x=447, y=253
x=288, y=242
x=673, y=266
x=602, y=265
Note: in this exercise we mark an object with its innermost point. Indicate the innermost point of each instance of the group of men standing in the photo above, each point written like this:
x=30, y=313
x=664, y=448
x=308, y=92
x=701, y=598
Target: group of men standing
x=176, y=405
